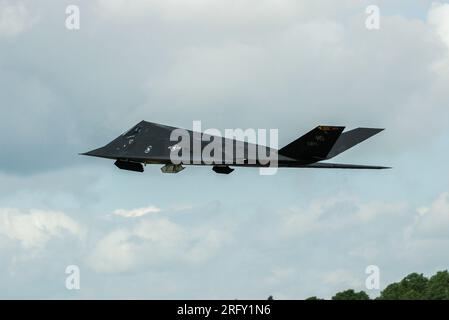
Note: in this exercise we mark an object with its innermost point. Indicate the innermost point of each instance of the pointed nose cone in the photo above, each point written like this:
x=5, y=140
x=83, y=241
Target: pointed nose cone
x=100, y=152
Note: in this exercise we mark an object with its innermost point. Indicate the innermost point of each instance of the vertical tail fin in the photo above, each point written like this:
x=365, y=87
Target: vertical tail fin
x=351, y=138
x=314, y=145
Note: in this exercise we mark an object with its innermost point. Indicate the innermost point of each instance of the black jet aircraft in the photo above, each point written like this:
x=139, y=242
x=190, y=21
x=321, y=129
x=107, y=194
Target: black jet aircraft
x=151, y=143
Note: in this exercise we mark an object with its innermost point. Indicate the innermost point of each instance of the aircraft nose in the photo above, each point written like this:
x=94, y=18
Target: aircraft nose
x=95, y=153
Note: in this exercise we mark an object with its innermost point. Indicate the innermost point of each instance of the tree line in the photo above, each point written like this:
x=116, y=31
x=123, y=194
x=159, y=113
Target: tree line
x=415, y=286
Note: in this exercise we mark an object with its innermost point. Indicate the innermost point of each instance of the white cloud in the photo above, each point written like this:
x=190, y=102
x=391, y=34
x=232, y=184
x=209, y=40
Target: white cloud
x=15, y=18
x=34, y=229
x=336, y=213
x=153, y=243
x=138, y=212
x=114, y=253
x=433, y=221
x=438, y=17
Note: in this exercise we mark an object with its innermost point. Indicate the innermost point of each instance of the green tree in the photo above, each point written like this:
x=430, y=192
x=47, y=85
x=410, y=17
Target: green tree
x=314, y=298
x=438, y=286
x=350, y=295
x=412, y=287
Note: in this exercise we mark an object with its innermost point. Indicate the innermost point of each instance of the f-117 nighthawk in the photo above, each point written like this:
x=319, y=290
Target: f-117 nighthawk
x=152, y=143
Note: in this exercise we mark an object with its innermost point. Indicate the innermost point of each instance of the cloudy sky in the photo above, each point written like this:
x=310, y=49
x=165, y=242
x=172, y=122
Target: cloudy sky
x=282, y=64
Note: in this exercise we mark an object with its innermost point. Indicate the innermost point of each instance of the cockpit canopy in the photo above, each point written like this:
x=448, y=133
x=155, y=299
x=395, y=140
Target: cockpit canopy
x=133, y=132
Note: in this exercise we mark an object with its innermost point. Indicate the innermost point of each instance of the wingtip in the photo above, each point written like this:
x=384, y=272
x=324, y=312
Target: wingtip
x=383, y=168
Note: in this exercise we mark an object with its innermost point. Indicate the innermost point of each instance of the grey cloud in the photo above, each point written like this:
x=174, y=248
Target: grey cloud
x=67, y=91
